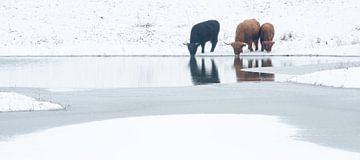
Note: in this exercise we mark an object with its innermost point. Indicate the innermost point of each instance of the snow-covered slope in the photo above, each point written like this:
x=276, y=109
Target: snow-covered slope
x=10, y=101
x=74, y=27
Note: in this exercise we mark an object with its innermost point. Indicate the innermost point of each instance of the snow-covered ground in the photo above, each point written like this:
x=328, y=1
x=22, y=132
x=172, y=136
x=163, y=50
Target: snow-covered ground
x=344, y=78
x=102, y=27
x=10, y=101
x=250, y=137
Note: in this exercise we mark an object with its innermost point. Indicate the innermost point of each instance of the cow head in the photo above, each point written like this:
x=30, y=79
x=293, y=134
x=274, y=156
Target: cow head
x=192, y=47
x=268, y=45
x=237, y=46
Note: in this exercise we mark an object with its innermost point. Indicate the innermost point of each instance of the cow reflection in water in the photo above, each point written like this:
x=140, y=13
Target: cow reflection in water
x=200, y=75
x=252, y=76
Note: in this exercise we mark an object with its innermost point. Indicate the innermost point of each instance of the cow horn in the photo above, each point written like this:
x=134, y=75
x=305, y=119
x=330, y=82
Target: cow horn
x=185, y=43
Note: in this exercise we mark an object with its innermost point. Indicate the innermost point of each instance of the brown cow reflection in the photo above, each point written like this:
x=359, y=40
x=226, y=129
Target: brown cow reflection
x=200, y=76
x=242, y=76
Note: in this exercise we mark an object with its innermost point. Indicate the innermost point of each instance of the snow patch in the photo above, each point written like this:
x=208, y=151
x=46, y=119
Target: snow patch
x=10, y=101
x=178, y=137
x=343, y=78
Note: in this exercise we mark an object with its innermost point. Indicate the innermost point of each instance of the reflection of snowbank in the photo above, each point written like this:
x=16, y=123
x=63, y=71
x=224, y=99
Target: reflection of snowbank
x=17, y=102
x=171, y=137
x=345, y=78
x=161, y=26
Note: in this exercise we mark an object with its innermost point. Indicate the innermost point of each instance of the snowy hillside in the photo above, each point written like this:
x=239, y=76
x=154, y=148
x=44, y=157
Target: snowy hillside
x=64, y=27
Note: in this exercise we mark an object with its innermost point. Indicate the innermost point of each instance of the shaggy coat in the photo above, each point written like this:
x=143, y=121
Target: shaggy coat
x=201, y=33
x=247, y=33
x=266, y=37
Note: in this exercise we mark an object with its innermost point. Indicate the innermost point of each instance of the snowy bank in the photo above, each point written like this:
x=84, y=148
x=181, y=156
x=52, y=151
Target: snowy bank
x=171, y=137
x=10, y=101
x=343, y=78
x=101, y=27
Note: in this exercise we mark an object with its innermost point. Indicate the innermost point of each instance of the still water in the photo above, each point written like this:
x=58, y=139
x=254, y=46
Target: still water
x=66, y=73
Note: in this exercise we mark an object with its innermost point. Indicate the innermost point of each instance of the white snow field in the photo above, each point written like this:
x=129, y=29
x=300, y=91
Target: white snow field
x=159, y=27
x=177, y=137
x=10, y=101
x=342, y=78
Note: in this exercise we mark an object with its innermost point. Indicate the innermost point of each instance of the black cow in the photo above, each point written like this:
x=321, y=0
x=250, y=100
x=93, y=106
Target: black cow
x=201, y=33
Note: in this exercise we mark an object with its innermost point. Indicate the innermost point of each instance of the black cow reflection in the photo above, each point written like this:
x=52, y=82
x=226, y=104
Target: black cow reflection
x=200, y=75
x=252, y=76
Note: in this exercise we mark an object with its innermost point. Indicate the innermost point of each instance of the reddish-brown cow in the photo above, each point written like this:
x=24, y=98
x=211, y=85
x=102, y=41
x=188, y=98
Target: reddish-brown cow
x=247, y=33
x=266, y=37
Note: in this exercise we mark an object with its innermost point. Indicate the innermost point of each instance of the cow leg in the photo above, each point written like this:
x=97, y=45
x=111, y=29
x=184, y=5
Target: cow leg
x=250, y=46
x=203, y=48
x=262, y=46
x=256, y=44
x=213, y=45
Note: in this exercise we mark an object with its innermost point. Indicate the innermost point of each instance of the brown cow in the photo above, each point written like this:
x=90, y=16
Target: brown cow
x=266, y=37
x=247, y=33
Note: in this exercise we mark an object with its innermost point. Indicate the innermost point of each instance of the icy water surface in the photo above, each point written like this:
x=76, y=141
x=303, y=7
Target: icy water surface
x=64, y=73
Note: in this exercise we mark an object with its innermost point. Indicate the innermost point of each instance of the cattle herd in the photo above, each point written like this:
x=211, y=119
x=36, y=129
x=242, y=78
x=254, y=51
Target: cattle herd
x=247, y=33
